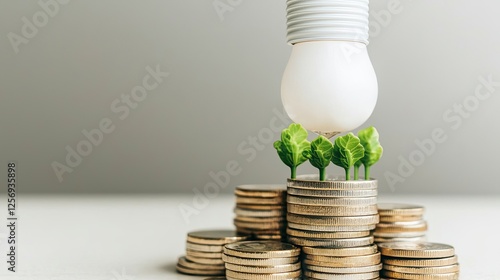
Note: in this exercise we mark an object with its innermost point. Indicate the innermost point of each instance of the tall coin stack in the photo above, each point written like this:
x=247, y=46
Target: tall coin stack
x=332, y=220
x=204, y=252
x=400, y=223
x=408, y=260
x=261, y=211
x=262, y=260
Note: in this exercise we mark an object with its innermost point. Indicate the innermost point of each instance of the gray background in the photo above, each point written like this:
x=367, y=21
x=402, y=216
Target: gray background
x=224, y=87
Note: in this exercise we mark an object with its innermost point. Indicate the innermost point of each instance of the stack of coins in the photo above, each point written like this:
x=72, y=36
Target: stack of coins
x=260, y=211
x=204, y=251
x=341, y=263
x=407, y=260
x=400, y=223
x=261, y=260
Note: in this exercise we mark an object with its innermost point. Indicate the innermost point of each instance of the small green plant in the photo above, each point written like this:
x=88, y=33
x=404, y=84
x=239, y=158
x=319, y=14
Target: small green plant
x=320, y=155
x=369, y=138
x=346, y=152
x=292, y=147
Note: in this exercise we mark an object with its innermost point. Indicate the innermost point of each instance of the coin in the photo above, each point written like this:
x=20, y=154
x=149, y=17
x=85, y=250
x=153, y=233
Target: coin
x=393, y=219
x=261, y=206
x=215, y=237
x=260, y=190
x=345, y=270
x=399, y=209
x=341, y=252
x=338, y=243
x=331, y=193
x=260, y=219
x=332, y=201
x=337, y=221
x=332, y=210
x=202, y=272
x=200, y=254
x=259, y=200
x=262, y=231
x=352, y=261
x=410, y=276
x=274, y=276
x=258, y=226
x=400, y=239
x=264, y=269
x=311, y=182
x=326, y=234
x=192, y=265
x=268, y=237
x=399, y=234
x=416, y=250
x=423, y=270
x=329, y=228
x=203, y=248
x=208, y=261
x=216, y=278
x=261, y=249
x=259, y=262
x=421, y=262
x=331, y=276
x=419, y=226
x=259, y=213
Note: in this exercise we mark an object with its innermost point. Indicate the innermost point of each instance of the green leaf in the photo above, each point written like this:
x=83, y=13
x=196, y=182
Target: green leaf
x=293, y=147
x=347, y=151
x=369, y=138
x=321, y=152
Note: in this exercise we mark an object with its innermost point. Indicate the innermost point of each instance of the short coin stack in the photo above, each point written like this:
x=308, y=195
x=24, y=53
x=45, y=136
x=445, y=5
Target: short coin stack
x=261, y=260
x=342, y=263
x=261, y=211
x=400, y=223
x=204, y=251
x=332, y=221
x=409, y=260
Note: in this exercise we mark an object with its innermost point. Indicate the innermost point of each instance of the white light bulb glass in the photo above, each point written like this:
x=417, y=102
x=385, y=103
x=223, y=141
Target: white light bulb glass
x=329, y=86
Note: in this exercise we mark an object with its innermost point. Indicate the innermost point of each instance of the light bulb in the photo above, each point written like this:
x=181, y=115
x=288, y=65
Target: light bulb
x=329, y=85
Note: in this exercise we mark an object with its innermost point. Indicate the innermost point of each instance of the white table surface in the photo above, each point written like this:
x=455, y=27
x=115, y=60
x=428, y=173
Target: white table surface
x=140, y=237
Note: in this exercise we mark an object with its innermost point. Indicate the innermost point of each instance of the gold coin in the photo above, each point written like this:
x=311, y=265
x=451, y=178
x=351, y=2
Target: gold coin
x=410, y=276
x=215, y=237
x=263, y=269
x=420, y=226
x=331, y=193
x=398, y=234
x=421, y=262
x=273, y=276
x=326, y=234
x=332, y=201
x=423, y=270
x=201, y=272
x=337, y=221
x=260, y=200
x=399, y=209
x=261, y=231
x=268, y=237
x=216, y=278
x=417, y=239
x=279, y=206
x=425, y=250
x=332, y=276
x=268, y=226
x=259, y=213
x=261, y=249
x=260, y=220
x=329, y=228
x=353, y=261
x=394, y=219
x=193, y=265
x=341, y=252
x=204, y=248
x=259, y=262
x=209, y=261
x=311, y=182
x=338, y=243
x=201, y=254
x=345, y=270
x=270, y=188
x=332, y=210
